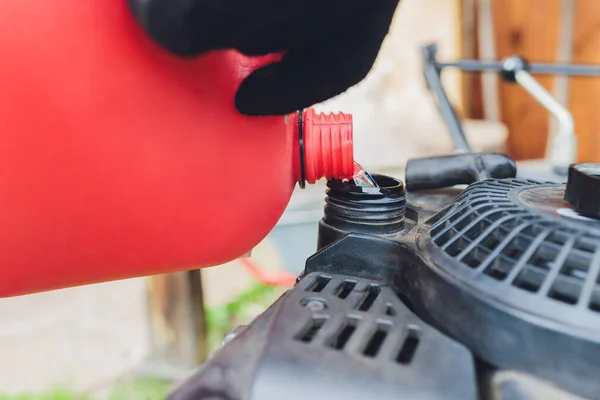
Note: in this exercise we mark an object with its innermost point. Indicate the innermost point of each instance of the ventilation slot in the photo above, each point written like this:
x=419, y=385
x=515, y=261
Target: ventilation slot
x=376, y=341
x=500, y=267
x=319, y=284
x=310, y=331
x=409, y=347
x=530, y=279
x=566, y=288
x=573, y=274
x=457, y=247
x=389, y=310
x=338, y=342
x=345, y=289
x=595, y=300
x=368, y=298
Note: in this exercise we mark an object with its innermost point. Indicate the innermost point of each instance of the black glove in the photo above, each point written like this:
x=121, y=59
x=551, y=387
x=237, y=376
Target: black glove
x=330, y=45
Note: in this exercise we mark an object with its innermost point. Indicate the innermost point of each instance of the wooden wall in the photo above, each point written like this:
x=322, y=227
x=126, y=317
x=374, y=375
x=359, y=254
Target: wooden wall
x=532, y=28
x=529, y=28
x=585, y=92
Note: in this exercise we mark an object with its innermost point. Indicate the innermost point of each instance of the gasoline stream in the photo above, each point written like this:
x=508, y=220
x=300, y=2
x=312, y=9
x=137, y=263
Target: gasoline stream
x=362, y=178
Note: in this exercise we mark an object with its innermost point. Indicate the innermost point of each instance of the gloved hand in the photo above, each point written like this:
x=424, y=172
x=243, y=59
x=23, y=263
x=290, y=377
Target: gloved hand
x=329, y=45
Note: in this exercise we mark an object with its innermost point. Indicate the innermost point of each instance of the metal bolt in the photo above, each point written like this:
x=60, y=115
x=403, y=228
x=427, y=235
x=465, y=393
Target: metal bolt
x=315, y=306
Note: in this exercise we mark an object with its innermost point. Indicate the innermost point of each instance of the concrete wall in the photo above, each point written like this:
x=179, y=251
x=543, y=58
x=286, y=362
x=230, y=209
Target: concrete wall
x=80, y=338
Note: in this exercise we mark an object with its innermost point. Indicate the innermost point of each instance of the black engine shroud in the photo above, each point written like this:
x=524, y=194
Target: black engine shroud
x=488, y=293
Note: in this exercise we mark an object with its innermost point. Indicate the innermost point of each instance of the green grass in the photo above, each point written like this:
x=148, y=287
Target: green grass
x=138, y=389
x=240, y=310
x=143, y=389
x=58, y=394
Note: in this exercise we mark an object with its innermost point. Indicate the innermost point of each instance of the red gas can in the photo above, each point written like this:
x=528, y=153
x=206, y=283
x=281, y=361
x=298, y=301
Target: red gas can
x=119, y=160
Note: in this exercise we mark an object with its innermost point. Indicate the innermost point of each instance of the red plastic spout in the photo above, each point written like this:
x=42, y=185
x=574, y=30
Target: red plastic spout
x=324, y=146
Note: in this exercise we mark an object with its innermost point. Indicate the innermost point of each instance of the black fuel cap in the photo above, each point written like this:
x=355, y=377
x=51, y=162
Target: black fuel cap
x=583, y=189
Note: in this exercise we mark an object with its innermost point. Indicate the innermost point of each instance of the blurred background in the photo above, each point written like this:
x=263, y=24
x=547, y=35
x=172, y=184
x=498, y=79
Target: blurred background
x=135, y=339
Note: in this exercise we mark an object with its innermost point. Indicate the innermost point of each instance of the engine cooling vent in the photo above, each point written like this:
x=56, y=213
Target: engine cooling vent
x=332, y=327
x=370, y=311
x=517, y=281
x=487, y=231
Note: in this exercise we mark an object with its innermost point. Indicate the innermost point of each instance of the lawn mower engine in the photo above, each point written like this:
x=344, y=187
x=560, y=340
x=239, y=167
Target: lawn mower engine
x=489, y=292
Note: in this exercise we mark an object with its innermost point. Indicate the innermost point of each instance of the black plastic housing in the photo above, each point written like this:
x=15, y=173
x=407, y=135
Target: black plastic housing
x=374, y=211
x=490, y=295
x=583, y=189
x=460, y=169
